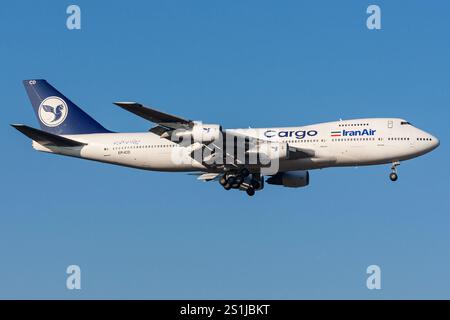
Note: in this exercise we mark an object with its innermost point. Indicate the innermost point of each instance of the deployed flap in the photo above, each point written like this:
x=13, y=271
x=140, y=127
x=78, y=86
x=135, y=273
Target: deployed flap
x=156, y=116
x=206, y=176
x=159, y=130
x=300, y=153
x=46, y=138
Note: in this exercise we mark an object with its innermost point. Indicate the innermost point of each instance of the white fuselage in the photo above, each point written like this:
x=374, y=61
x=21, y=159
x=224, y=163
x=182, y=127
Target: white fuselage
x=341, y=143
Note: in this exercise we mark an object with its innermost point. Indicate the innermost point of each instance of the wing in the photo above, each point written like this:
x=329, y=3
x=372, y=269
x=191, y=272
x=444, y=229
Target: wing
x=167, y=121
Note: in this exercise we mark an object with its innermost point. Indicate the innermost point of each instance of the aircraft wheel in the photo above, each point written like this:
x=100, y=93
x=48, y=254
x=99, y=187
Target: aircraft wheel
x=255, y=184
x=250, y=191
x=238, y=180
x=227, y=186
x=393, y=176
x=232, y=182
x=223, y=180
x=245, y=173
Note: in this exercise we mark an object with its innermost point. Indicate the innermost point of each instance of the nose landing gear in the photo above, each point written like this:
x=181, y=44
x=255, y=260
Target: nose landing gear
x=393, y=176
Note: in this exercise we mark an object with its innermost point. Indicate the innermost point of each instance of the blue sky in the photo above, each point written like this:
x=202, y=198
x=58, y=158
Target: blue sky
x=138, y=234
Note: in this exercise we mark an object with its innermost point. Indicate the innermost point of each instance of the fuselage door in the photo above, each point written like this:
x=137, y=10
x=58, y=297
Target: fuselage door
x=390, y=124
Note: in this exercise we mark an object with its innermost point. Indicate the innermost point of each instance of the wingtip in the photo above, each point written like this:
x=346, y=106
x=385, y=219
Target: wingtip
x=19, y=127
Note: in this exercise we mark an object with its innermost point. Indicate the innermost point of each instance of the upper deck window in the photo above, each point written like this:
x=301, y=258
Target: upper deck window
x=405, y=123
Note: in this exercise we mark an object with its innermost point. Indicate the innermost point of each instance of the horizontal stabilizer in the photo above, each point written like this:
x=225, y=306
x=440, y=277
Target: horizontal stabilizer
x=46, y=138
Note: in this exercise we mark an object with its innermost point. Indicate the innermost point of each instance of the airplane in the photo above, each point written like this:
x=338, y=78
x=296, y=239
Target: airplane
x=242, y=159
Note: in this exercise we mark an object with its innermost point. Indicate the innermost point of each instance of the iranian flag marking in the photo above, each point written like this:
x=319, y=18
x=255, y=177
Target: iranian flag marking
x=335, y=133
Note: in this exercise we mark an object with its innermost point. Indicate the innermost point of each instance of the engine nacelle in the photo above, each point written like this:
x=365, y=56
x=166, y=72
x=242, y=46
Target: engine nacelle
x=278, y=150
x=206, y=133
x=202, y=133
x=270, y=151
x=291, y=179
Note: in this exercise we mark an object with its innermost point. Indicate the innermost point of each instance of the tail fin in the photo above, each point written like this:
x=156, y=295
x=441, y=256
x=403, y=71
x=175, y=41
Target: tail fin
x=56, y=113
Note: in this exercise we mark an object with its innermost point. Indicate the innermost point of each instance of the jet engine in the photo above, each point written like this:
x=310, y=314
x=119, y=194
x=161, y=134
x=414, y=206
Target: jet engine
x=278, y=150
x=202, y=133
x=291, y=179
x=206, y=133
x=270, y=151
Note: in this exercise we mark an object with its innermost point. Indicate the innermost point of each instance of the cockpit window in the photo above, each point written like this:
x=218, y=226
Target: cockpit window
x=405, y=123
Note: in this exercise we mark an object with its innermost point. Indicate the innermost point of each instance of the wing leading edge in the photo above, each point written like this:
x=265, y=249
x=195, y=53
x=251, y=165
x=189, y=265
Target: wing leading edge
x=156, y=116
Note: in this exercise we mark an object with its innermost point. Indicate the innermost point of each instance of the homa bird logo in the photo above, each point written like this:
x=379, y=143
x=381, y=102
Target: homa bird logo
x=53, y=111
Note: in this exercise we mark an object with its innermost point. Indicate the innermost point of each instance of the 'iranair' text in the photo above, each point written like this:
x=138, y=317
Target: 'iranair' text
x=365, y=132
x=353, y=133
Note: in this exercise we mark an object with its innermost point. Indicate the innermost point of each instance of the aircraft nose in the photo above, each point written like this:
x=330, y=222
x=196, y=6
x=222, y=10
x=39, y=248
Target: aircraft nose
x=435, y=141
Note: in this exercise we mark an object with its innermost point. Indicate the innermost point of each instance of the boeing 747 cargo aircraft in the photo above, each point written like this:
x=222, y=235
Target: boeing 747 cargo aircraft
x=242, y=159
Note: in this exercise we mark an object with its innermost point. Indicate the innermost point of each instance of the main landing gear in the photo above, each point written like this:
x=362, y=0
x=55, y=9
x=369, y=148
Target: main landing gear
x=253, y=186
x=393, y=176
x=235, y=180
x=242, y=180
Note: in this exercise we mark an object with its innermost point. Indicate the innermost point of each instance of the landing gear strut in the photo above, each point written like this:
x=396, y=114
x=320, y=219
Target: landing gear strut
x=393, y=176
